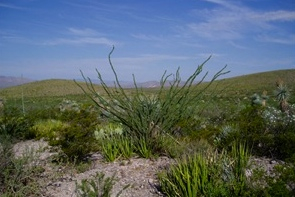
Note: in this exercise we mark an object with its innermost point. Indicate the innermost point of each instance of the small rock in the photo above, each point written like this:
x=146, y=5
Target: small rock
x=273, y=162
x=56, y=184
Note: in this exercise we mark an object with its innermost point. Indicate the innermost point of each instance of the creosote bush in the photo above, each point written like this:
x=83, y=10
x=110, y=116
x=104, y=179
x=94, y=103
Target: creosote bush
x=77, y=138
x=146, y=117
x=15, y=124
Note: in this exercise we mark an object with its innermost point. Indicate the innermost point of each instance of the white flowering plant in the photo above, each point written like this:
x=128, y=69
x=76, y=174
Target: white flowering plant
x=277, y=119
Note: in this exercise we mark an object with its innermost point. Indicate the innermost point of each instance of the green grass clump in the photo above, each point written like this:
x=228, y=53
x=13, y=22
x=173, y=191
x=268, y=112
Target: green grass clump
x=210, y=174
x=114, y=142
x=98, y=186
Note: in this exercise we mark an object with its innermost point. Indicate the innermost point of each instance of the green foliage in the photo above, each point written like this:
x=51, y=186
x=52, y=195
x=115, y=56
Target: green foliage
x=249, y=127
x=281, y=92
x=110, y=149
x=67, y=105
x=48, y=129
x=177, y=119
x=241, y=156
x=100, y=186
x=284, y=146
x=15, y=124
x=279, y=183
x=188, y=178
x=259, y=100
x=114, y=142
x=281, y=127
x=212, y=174
x=282, y=183
x=110, y=129
x=267, y=130
x=145, y=116
x=18, y=176
x=126, y=146
x=77, y=138
x=227, y=135
x=115, y=146
x=143, y=148
x=6, y=156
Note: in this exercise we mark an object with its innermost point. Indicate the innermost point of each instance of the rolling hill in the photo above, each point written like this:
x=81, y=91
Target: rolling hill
x=238, y=85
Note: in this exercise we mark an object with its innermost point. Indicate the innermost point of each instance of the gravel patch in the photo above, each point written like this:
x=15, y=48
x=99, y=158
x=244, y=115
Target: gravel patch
x=58, y=181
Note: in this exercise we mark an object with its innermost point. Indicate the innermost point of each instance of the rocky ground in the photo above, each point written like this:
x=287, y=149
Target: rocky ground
x=60, y=180
x=140, y=174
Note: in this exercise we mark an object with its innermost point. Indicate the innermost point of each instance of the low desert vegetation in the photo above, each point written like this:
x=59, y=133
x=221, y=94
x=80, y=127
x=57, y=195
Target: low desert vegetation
x=211, y=128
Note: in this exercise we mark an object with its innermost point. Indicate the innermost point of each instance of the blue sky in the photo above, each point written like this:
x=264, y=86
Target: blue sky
x=42, y=39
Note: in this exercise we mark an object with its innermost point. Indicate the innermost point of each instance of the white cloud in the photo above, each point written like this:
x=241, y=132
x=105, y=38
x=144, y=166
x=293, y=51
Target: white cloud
x=279, y=15
x=82, y=32
x=78, y=36
x=81, y=41
x=232, y=21
x=147, y=37
x=290, y=40
x=238, y=46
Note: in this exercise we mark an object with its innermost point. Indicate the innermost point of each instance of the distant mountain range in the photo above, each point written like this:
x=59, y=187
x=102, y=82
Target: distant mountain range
x=6, y=81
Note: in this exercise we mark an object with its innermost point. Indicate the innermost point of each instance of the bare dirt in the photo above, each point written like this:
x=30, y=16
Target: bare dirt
x=60, y=180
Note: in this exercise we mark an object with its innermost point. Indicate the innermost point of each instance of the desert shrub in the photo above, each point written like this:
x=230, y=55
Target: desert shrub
x=69, y=105
x=270, y=131
x=281, y=124
x=15, y=124
x=77, y=138
x=227, y=135
x=145, y=116
x=267, y=130
x=248, y=127
x=210, y=174
x=284, y=146
x=280, y=182
x=251, y=124
x=48, y=129
x=278, y=121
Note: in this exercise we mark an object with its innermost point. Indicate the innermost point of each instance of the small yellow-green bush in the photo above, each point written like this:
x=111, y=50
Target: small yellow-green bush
x=48, y=129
